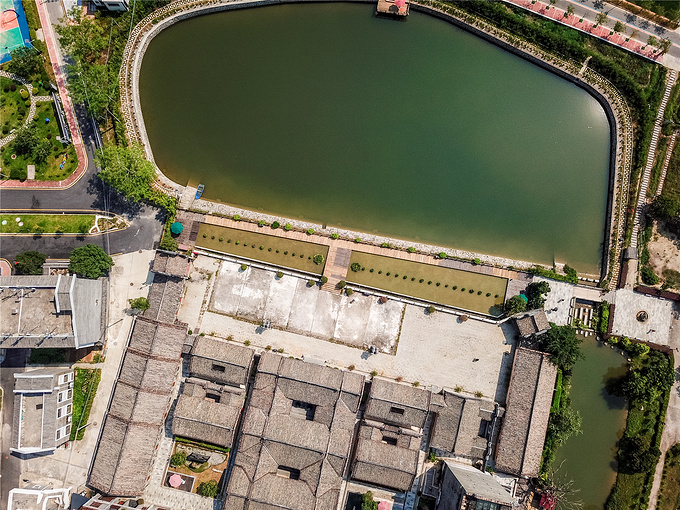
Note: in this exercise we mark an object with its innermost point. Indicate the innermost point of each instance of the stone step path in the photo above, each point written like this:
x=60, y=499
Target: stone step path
x=336, y=267
x=669, y=153
x=642, y=196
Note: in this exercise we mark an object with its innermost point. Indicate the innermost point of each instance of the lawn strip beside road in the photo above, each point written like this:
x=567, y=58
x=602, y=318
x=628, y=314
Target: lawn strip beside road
x=405, y=278
x=46, y=223
x=669, y=497
x=270, y=249
x=84, y=390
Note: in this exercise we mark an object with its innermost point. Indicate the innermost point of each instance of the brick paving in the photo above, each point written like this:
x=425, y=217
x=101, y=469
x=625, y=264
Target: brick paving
x=57, y=65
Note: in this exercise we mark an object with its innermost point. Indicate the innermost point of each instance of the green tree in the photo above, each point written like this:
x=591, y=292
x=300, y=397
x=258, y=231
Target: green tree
x=208, y=489
x=178, y=459
x=140, y=303
x=648, y=275
x=92, y=85
x=665, y=45
x=127, y=170
x=535, y=293
x=637, y=455
x=601, y=18
x=563, y=346
x=563, y=424
x=41, y=150
x=515, y=305
x=367, y=502
x=570, y=10
x=665, y=207
x=30, y=262
x=652, y=41
x=619, y=28
x=26, y=62
x=25, y=141
x=90, y=261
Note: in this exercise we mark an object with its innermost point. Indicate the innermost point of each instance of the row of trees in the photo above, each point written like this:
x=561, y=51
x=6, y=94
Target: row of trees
x=88, y=261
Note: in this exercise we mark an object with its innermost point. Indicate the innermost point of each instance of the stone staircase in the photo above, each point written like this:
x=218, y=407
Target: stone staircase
x=642, y=196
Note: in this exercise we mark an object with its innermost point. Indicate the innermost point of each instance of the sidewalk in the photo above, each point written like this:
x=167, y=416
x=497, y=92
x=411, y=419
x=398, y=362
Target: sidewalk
x=57, y=65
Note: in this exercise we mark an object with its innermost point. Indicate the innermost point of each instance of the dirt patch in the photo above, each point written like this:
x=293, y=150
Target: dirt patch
x=664, y=254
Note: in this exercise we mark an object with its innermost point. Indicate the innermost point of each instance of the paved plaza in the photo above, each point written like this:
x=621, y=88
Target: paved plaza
x=435, y=350
x=290, y=303
x=656, y=328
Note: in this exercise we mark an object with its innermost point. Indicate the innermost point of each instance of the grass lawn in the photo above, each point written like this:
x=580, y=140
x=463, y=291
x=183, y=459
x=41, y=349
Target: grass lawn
x=46, y=223
x=84, y=390
x=669, y=495
x=11, y=103
x=671, y=186
x=463, y=289
x=47, y=170
x=274, y=250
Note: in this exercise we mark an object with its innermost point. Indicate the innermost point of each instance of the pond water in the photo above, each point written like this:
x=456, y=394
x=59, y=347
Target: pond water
x=416, y=129
x=589, y=458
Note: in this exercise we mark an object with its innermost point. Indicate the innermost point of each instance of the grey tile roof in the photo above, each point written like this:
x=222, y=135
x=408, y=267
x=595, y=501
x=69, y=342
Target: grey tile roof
x=522, y=436
x=275, y=433
x=140, y=400
x=165, y=296
x=171, y=264
x=385, y=465
x=399, y=404
x=208, y=352
x=478, y=484
x=211, y=422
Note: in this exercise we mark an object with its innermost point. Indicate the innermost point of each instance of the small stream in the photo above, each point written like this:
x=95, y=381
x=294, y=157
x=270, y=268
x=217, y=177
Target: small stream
x=589, y=458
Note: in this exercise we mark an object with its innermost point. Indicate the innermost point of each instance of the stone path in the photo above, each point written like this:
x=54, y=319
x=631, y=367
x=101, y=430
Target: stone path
x=642, y=196
x=31, y=112
x=669, y=153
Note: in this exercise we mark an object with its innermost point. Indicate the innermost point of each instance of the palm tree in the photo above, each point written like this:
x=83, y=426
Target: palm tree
x=652, y=41
x=665, y=45
x=570, y=11
x=619, y=28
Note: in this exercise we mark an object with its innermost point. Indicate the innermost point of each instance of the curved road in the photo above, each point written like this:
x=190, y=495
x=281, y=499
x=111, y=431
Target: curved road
x=89, y=192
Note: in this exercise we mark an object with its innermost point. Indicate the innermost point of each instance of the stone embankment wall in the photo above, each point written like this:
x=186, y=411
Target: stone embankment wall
x=613, y=103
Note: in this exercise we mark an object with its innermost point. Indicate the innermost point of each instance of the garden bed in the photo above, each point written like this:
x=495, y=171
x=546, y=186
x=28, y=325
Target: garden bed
x=208, y=472
x=46, y=223
x=454, y=287
x=49, y=169
x=278, y=251
x=84, y=390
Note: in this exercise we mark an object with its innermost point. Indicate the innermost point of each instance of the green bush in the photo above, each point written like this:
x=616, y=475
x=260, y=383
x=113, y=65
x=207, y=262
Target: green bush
x=279, y=274
x=410, y=249
x=244, y=267
x=341, y=284
x=178, y=459
x=237, y=217
x=648, y=276
x=261, y=223
x=349, y=292
x=324, y=279
x=431, y=309
x=310, y=231
x=385, y=245
x=208, y=489
x=334, y=235
x=357, y=240
x=318, y=259
x=276, y=225
x=140, y=303
x=311, y=283
x=261, y=247
x=287, y=227
x=476, y=262
x=443, y=255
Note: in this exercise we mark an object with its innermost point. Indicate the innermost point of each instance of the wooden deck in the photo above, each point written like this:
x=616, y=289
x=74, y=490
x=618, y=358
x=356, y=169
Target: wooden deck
x=389, y=8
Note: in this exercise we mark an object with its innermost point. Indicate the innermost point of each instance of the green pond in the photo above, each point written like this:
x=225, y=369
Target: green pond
x=589, y=458
x=415, y=129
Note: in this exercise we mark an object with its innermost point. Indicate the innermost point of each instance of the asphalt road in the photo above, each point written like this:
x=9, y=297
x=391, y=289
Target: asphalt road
x=89, y=193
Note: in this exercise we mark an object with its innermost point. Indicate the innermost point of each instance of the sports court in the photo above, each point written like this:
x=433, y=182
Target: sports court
x=13, y=28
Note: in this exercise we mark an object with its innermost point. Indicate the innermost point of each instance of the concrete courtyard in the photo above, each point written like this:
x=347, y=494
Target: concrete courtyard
x=291, y=304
